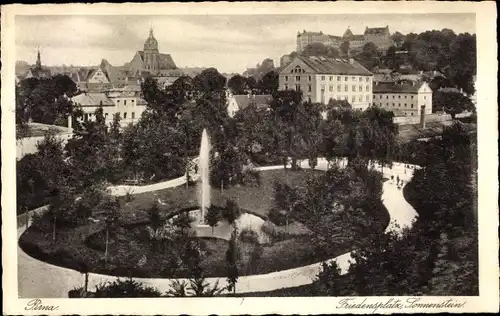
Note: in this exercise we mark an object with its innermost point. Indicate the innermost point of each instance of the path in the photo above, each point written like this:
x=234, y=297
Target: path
x=42, y=280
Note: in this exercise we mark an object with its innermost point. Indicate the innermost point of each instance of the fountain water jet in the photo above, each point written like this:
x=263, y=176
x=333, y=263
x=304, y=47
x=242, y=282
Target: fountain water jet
x=203, y=167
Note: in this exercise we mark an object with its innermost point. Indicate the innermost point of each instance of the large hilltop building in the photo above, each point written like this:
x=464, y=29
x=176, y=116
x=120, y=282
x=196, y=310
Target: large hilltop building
x=323, y=79
x=379, y=36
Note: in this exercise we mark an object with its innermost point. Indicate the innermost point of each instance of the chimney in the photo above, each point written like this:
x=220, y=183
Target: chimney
x=422, y=117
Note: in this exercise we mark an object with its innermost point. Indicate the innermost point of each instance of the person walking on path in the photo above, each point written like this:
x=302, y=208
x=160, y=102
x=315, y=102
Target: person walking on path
x=392, y=179
x=397, y=179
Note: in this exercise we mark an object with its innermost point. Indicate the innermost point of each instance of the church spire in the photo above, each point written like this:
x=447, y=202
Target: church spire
x=38, y=60
x=151, y=30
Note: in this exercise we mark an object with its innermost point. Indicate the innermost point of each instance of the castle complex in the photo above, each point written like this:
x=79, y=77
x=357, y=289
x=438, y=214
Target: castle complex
x=379, y=36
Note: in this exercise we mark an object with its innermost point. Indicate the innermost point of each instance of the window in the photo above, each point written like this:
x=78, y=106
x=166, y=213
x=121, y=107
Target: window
x=411, y=106
x=412, y=97
x=393, y=104
x=353, y=78
x=309, y=88
x=125, y=102
x=353, y=98
x=331, y=78
x=297, y=87
x=133, y=115
x=286, y=87
x=367, y=88
x=360, y=88
x=367, y=97
x=297, y=78
x=354, y=88
x=387, y=97
x=330, y=88
x=105, y=114
x=399, y=96
x=405, y=105
x=346, y=78
x=367, y=79
x=133, y=101
x=338, y=88
x=339, y=78
x=412, y=113
x=405, y=96
x=425, y=97
x=360, y=79
x=346, y=88
x=393, y=96
x=124, y=115
x=286, y=78
x=86, y=118
x=310, y=78
x=118, y=101
x=322, y=78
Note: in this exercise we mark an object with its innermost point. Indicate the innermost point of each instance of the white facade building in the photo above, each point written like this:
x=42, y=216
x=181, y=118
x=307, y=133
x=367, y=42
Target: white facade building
x=126, y=102
x=323, y=79
x=403, y=99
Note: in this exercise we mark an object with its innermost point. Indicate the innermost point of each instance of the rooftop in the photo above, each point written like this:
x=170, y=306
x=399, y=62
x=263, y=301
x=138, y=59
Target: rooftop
x=244, y=100
x=335, y=66
x=393, y=87
x=92, y=99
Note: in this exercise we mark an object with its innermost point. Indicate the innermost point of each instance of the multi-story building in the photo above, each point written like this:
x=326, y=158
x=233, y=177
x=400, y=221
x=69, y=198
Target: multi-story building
x=380, y=36
x=126, y=102
x=403, y=99
x=323, y=79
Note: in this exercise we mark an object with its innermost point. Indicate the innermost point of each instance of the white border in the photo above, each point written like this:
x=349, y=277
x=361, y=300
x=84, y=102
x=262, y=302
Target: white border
x=488, y=163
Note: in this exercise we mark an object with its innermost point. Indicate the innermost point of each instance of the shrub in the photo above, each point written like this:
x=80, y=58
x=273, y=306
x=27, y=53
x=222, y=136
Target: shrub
x=125, y=288
x=273, y=231
x=278, y=217
x=249, y=236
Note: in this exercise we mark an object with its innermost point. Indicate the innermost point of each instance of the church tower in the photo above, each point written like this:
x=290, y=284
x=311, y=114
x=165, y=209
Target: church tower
x=38, y=64
x=151, y=58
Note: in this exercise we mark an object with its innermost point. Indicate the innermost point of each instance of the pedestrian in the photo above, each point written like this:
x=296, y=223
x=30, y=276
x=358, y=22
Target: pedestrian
x=392, y=179
x=397, y=179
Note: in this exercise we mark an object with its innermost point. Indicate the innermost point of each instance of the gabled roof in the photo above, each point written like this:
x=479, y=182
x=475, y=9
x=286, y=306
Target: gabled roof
x=166, y=62
x=336, y=66
x=92, y=99
x=348, y=33
x=393, y=87
x=244, y=100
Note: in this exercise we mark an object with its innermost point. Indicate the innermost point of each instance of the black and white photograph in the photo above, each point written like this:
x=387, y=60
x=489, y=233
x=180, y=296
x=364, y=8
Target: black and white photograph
x=164, y=154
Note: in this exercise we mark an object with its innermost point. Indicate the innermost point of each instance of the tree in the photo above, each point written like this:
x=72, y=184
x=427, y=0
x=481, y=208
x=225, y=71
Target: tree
x=182, y=221
x=369, y=56
x=269, y=83
x=232, y=257
x=212, y=216
x=344, y=48
x=452, y=102
x=125, y=288
x=238, y=84
x=209, y=80
x=111, y=209
x=231, y=212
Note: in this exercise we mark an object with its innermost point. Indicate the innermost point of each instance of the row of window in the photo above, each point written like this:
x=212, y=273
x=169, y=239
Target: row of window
x=330, y=88
x=381, y=96
x=125, y=101
x=89, y=115
x=323, y=78
x=398, y=105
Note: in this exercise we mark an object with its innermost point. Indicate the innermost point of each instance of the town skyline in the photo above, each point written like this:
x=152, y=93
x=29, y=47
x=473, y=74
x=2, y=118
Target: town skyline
x=229, y=43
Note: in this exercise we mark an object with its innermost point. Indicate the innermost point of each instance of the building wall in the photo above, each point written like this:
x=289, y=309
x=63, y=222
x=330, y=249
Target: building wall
x=320, y=88
x=407, y=103
x=98, y=77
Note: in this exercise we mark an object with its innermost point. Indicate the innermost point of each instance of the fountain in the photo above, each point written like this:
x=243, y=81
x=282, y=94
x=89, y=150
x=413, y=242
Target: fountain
x=203, y=168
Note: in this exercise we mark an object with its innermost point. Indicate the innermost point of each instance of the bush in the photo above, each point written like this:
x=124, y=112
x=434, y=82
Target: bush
x=274, y=232
x=125, y=288
x=248, y=235
x=278, y=217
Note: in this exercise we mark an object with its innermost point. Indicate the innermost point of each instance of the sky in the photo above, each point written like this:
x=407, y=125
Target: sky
x=230, y=43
